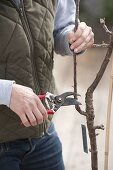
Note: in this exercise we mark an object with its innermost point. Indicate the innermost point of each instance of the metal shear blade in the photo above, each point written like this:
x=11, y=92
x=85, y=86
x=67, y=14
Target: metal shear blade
x=71, y=101
x=54, y=102
x=63, y=96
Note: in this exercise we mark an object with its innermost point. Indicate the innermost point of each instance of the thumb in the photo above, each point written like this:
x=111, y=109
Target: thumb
x=70, y=37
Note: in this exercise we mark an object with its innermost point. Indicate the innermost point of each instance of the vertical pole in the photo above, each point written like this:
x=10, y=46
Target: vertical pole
x=107, y=137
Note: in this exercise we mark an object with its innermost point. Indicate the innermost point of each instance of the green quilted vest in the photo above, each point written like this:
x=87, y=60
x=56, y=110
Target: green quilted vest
x=26, y=56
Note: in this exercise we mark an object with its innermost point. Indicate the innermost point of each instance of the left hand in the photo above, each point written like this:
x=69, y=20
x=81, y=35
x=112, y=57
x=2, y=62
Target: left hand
x=82, y=39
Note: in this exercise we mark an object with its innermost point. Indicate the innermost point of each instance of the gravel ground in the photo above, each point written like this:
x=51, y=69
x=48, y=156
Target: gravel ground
x=68, y=121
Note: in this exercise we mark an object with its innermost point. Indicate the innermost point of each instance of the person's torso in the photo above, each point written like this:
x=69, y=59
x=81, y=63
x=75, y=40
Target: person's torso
x=26, y=55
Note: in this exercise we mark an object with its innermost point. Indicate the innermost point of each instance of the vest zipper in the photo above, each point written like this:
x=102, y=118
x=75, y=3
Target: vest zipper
x=27, y=30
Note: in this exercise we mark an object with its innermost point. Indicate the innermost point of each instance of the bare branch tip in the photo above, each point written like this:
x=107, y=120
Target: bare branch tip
x=102, y=20
x=103, y=23
x=99, y=127
x=103, y=45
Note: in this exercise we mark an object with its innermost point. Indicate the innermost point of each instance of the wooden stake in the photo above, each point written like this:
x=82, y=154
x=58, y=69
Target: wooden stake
x=107, y=138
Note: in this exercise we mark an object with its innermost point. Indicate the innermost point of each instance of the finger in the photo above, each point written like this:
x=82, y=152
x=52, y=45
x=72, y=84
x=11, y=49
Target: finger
x=71, y=37
x=86, y=43
x=78, y=33
x=82, y=47
x=32, y=119
x=90, y=44
x=82, y=38
x=41, y=108
x=24, y=120
x=38, y=115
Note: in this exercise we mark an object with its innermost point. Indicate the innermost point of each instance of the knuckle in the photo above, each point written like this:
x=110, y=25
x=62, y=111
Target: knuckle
x=26, y=123
x=92, y=42
x=33, y=122
x=25, y=106
x=81, y=28
x=74, y=44
x=38, y=101
x=70, y=36
x=90, y=29
x=33, y=98
x=21, y=113
x=40, y=119
x=45, y=117
x=90, y=45
x=71, y=41
x=84, y=45
x=31, y=103
x=80, y=49
x=44, y=111
x=83, y=37
x=86, y=41
x=83, y=24
x=92, y=34
x=30, y=89
x=44, y=114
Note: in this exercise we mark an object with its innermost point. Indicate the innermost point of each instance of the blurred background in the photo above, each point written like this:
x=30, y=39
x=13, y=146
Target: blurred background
x=92, y=10
x=67, y=120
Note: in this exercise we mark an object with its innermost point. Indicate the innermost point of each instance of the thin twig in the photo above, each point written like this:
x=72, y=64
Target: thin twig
x=100, y=45
x=78, y=108
x=74, y=54
x=81, y=111
x=99, y=127
x=102, y=21
x=77, y=14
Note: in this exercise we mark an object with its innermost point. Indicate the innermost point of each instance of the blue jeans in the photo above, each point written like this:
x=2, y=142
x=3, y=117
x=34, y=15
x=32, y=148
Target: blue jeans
x=44, y=153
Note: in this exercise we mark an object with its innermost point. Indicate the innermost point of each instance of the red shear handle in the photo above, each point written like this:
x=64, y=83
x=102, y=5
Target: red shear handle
x=50, y=112
x=42, y=97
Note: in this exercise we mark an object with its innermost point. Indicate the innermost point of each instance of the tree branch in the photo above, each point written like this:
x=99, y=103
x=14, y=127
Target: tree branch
x=103, y=45
x=103, y=67
x=81, y=111
x=102, y=21
x=90, y=108
x=89, y=113
x=99, y=127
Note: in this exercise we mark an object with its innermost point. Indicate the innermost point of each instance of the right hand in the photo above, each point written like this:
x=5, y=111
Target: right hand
x=27, y=105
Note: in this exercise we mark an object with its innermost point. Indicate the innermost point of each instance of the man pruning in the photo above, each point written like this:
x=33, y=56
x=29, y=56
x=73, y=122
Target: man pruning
x=28, y=29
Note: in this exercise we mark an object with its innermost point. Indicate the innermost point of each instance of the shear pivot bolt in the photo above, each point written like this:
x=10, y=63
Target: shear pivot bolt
x=60, y=99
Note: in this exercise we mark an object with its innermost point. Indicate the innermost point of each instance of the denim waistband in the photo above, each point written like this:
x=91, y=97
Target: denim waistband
x=29, y=142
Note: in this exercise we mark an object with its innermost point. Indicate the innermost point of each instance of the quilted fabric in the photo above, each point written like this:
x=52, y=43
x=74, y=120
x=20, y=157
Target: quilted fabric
x=29, y=65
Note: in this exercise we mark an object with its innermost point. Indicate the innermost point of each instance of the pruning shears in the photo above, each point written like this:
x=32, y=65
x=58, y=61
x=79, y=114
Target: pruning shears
x=54, y=102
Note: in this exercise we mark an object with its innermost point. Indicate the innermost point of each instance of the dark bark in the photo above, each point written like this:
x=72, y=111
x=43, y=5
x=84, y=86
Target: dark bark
x=74, y=54
x=90, y=109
